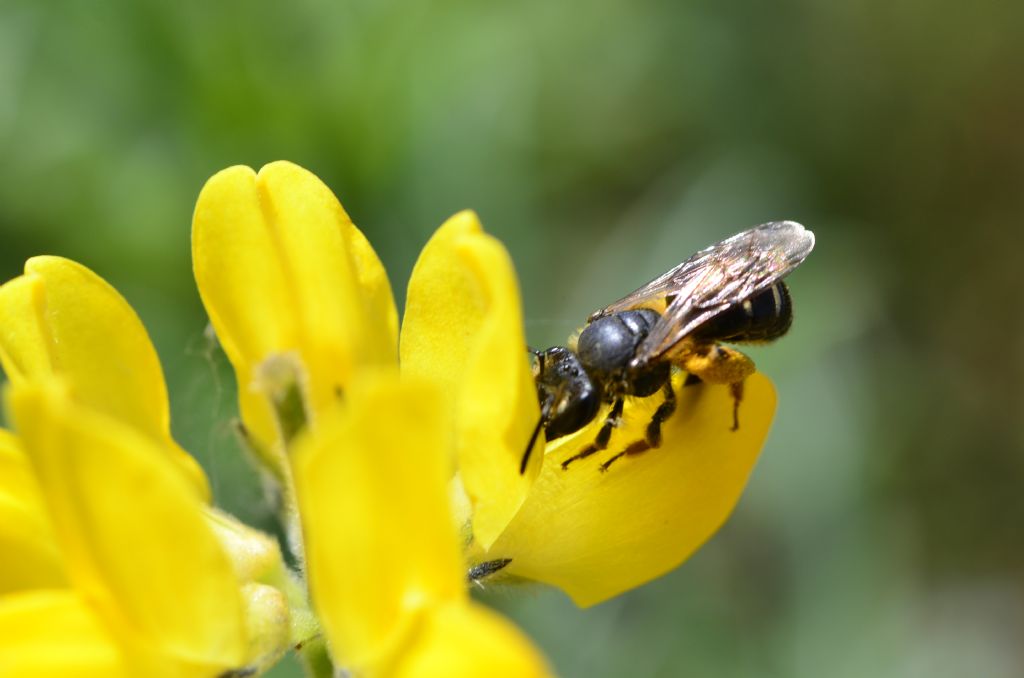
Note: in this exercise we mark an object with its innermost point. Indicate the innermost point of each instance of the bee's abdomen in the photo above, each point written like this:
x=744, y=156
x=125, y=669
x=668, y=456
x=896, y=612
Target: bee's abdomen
x=763, y=316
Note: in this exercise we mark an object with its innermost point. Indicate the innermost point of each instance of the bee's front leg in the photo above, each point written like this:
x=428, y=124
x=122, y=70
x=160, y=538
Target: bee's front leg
x=652, y=438
x=603, y=435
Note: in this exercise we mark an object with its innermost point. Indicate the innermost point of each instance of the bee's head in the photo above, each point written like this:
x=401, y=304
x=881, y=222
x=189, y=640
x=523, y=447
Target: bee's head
x=569, y=398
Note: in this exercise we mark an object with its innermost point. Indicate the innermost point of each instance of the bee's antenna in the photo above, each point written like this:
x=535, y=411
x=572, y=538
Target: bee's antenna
x=545, y=410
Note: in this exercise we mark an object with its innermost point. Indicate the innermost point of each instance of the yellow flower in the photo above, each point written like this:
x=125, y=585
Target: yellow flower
x=407, y=472
x=384, y=559
x=463, y=328
x=118, y=565
x=592, y=534
x=298, y=300
x=283, y=271
x=304, y=311
x=25, y=528
x=61, y=319
x=301, y=302
x=595, y=535
x=150, y=591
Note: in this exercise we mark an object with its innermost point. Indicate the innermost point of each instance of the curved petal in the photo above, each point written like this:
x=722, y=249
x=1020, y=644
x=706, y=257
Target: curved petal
x=132, y=531
x=465, y=640
x=60, y=318
x=380, y=546
x=378, y=301
x=463, y=328
x=24, y=526
x=595, y=534
x=281, y=268
x=443, y=308
x=54, y=634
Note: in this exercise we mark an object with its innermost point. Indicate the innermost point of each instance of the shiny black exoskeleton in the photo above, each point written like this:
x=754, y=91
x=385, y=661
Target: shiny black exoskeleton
x=608, y=345
x=731, y=291
x=765, y=316
x=560, y=377
x=572, y=386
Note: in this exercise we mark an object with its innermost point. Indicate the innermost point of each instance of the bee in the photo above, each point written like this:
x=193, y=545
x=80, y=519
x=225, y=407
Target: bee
x=729, y=292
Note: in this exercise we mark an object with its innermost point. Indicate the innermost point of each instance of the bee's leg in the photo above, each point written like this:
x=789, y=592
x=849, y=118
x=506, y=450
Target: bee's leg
x=737, y=395
x=652, y=439
x=716, y=364
x=603, y=436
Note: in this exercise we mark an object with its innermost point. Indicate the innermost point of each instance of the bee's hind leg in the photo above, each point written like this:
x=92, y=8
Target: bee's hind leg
x=721, y=365
x=736, y=389
x=652, y=438
x=603, y=436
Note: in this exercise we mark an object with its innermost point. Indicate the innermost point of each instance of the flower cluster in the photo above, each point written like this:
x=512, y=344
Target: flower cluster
x=396, y=454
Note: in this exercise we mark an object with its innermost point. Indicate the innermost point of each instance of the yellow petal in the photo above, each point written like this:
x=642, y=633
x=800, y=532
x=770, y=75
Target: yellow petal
x=378, y=300
x=60, y=318
x=372, y=487
x=466, y=640
x=54, y=634
x=25, y=339
x=443, y=308
x=281, y=268
x=596, y=534
x=132, y=531
x=33, y=559
x=463, y=328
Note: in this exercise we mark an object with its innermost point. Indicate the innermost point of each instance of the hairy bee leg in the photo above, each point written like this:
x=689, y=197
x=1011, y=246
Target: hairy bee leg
x=720, y=365
x=603, y=436
x=737, y=395
x=652, y=438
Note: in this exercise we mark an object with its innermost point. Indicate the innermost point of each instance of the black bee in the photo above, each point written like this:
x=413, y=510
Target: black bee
x=729, y=292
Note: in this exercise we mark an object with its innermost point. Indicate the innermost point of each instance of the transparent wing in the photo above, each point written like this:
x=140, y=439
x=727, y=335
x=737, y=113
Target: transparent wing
x=714, y=279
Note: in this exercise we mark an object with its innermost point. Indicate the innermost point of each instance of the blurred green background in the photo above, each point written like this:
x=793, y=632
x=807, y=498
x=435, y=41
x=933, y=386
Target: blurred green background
x=881, y=533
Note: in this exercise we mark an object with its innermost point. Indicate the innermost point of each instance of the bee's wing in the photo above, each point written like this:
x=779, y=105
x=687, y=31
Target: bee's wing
x=656, y=293
x=714, y=279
